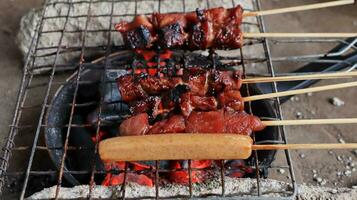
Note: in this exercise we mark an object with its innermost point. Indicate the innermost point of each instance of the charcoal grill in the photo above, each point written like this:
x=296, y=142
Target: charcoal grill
x=36, y=92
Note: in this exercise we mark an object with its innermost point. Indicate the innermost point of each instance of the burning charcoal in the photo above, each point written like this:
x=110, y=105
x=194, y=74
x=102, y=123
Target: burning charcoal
x=181, y=176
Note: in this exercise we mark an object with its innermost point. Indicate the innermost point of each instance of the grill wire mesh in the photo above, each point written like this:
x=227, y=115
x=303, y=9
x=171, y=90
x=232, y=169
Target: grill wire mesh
x=30, y=103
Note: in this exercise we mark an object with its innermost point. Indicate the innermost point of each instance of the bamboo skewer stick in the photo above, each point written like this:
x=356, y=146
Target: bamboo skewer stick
x=298, y=8
x=310, y=122
x=304, y=146
x=299, y=35
x=300, y=77
x=300, y=91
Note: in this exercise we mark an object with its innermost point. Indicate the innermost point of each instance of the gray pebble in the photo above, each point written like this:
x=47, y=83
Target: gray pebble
x=299, y=115
x=309, y=94
x=294, y=98
x=334, y=191
x=354, y=187
x=281, y=171
x=347, y=173
x=336, y=102
x=341, y=140
x=302, y=155
x=318, y=179
x=339, y=173
x=355, y=152
x=339, y=158
x=314, y=171
x=330, y=152
x=353, y=169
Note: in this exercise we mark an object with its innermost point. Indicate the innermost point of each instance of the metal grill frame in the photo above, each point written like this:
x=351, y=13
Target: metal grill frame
x=29, y=76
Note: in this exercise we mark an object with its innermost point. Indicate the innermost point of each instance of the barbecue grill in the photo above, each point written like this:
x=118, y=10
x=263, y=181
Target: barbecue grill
x=37, y=94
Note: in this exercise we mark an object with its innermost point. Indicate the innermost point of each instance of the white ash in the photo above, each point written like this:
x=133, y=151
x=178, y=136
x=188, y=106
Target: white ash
x=336, y=102
x=242, y=186
x=93, y=39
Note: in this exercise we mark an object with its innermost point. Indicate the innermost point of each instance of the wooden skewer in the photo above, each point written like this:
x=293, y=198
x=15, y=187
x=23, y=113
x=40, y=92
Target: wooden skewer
x=300, y=91
x=300, y=77
x=299, y=35
x=298, y=8
x=310, y=122
x=304, y=146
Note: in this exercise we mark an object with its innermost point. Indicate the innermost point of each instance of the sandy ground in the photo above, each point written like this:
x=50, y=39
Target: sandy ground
x=326, y=163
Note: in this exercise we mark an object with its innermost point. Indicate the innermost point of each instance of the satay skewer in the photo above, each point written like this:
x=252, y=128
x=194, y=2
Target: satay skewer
x=297, y=8
x=299, y=35
x=334, y=75
x=192, y=146
x=310, y=122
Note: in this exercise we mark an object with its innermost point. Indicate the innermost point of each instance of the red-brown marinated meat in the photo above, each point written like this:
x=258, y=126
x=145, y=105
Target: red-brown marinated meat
x=152, y=105
x=231, y=99
x=212, y=28
x=129, y=89
x=241, y=123
x=225, y=80
x=174, y=124
x=205, y=122
x=154, y=85
x=191, y=102
x=136, y=125
x=220, y=121
x=197, y=79
x=139, y=33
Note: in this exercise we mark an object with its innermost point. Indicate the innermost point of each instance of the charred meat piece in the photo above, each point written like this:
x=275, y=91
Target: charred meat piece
x=152, y=106
x=174, y=124
x=205, y=122
x=139, y=33
x=211, y=28
x=231, y=99
x=154, y=85
x=172, y=36
x=129, y=89
x=197, y=79
x=191, y=102
x=136, y=125
x=225, y=80
x=241, y=123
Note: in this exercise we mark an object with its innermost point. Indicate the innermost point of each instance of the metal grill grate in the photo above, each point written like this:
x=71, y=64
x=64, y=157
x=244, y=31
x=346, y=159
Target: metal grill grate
x=37, y=91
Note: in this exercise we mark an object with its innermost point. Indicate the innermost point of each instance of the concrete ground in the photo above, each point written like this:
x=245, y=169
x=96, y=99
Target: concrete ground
x=327, y=164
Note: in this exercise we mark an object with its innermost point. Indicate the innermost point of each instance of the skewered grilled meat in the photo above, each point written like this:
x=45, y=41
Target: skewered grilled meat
x=223, y=121
x=212, y=28
x=198, y=80
x=139, y=33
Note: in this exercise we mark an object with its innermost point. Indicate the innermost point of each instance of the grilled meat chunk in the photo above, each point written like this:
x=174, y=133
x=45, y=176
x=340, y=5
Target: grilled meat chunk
x=139, y=33
x=129, y=89
x=174, y=124
x=231, y=99
x=136, y=125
